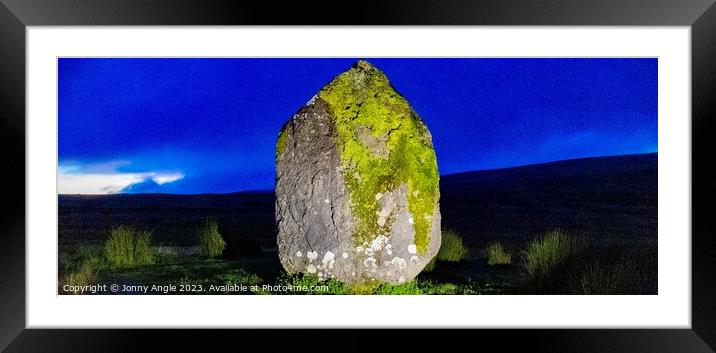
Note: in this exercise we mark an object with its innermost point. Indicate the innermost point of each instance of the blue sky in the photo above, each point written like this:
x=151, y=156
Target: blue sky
x=210, y=125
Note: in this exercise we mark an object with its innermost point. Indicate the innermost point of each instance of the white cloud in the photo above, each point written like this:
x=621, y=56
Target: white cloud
x=87, y=179
x=166, y=178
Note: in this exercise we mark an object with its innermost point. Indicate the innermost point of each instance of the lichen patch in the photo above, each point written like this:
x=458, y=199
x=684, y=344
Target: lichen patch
x=412, y=249
x=328, y=260
x=312, y=255
x=311, y=269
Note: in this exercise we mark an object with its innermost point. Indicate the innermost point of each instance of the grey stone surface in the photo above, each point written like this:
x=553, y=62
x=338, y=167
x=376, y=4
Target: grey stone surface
x=313, y=209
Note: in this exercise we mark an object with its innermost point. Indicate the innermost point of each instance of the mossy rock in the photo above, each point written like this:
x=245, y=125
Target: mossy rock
x=357, y=183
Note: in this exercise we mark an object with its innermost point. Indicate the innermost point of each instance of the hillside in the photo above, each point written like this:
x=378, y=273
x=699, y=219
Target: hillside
x=614, y=197
x=604, y=197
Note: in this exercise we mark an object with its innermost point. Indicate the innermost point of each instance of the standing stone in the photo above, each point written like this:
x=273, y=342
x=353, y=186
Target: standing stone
x=357, y=195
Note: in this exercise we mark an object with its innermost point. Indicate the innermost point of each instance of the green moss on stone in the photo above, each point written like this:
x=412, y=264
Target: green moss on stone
x=363, y=99
x=281, y=143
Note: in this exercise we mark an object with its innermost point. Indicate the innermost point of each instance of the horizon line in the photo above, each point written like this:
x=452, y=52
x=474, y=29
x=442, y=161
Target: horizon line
x=442, y=175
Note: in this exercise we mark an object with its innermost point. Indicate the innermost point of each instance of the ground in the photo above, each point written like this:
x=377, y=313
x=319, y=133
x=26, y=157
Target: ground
x=611, y=202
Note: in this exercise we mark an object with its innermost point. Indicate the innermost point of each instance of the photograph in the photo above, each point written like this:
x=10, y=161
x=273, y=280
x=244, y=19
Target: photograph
x=357, y=176
x=531, y=175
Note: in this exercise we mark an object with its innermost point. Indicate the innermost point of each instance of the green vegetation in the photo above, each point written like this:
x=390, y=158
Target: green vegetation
x=281, y=143
x=84, y=275
x=79, y=266
x=183, y=270
x=225, y=275
x=239, y=275
x=187, y=270
x=362, y=288
x=497, y=255
x=555, y=263
x=560, y=264
x=599, y=280
x=384, y=145
x=408, y=288
x=620, y=270
x=431, y=265
x=127, y=247
x=414, y=287
x=547, y=259
x=211, y=244
x=330, y=286
x=451, y=248
x=70, y=259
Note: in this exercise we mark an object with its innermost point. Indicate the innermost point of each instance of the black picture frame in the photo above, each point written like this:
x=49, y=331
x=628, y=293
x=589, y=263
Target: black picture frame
x=16, y=15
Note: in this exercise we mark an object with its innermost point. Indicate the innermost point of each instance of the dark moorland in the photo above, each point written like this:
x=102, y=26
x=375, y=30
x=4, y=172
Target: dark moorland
x=608, y=202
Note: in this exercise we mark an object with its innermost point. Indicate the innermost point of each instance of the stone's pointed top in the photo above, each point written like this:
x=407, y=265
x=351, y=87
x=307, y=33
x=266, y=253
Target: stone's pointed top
x=355, y=84
x=363, y=65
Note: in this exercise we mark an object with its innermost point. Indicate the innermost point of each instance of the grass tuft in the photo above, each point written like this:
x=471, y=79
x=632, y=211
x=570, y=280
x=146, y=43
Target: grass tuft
x=497, y=255
x=211, y=244
x=127, y=247
x=431, y=265
x=621, y=270
x=553, y=260
x=451, y=248
x=86, y=274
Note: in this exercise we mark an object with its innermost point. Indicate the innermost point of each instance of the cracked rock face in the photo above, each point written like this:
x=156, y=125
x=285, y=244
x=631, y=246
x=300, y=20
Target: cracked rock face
x=357, y=194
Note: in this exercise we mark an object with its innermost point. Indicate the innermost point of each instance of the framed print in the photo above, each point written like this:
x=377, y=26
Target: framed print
x=549, y=175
